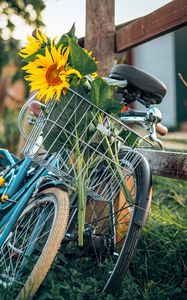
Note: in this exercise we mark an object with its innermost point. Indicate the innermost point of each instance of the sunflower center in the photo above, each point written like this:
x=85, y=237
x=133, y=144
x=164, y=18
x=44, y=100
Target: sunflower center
x=52, y=75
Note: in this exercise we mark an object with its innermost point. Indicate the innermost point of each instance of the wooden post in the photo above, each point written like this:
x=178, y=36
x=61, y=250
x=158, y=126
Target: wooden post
x=100, y=33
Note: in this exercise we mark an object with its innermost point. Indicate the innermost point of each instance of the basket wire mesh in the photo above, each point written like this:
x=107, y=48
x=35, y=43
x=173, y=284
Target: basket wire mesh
x=73, y=130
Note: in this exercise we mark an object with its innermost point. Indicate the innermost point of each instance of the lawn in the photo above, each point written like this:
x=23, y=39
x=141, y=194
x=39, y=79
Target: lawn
x=157, y=271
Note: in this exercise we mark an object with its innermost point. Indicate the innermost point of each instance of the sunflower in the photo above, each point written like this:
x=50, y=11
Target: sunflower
x=89, y=53
x=50, y=73
x=34, y=44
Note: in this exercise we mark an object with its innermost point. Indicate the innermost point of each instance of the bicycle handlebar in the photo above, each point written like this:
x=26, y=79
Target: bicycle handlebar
x=135, y=113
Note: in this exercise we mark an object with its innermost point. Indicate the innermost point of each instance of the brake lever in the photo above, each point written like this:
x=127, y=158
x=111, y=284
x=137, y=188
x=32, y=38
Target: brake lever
x=153, y=136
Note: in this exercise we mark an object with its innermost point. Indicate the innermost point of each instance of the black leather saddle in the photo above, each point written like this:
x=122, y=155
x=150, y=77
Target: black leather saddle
x=141, y=86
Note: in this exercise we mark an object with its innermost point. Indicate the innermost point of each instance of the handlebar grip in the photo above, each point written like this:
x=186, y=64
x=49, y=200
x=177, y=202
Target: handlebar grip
x=35, y=108
x=161, y=129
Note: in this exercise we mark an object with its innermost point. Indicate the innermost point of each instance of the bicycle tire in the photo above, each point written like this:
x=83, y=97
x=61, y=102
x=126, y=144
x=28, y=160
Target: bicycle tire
x=144, y=186
x=52, y=203
x=126, y=247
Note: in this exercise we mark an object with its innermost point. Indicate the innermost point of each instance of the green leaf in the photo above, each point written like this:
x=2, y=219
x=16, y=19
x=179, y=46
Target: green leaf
x=80, y=60
x=71, y=33
x=72, y=110
x=114, y=107
x=100, y=93
x=109, y=297
x=115, y=82
x=64, y=38
x=132, y=140
x=63, y=41
x=32, y=56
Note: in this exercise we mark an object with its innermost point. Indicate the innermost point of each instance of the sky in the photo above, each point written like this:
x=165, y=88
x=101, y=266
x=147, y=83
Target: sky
x=59, y=15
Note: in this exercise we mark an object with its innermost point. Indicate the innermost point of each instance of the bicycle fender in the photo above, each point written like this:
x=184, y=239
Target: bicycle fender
x=56, y=183
x=143, y=209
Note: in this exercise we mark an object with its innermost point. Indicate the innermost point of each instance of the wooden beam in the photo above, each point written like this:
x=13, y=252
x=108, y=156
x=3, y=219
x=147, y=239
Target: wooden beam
x=167, y=164
x=163, y=20
x=100, y=33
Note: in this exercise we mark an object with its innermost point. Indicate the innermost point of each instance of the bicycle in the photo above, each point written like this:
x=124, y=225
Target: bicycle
x=120, y=243
x=31, y=224
x=113, y=220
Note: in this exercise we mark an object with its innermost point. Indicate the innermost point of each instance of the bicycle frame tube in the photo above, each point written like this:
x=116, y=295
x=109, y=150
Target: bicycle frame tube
x=17, y=212
x=20, y=192
x=41, y=172
x=19, y=177
x=23, y=198
x=14, y=177
x=11, y=217
x=7, y=157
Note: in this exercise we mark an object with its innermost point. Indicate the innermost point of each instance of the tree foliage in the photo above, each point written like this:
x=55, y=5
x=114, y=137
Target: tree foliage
x=29, y=11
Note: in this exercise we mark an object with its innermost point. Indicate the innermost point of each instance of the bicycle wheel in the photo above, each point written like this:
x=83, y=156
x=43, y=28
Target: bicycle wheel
x=30, y=249
x=112, y=227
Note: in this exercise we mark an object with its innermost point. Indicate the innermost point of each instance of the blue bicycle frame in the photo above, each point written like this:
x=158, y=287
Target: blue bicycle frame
x=19, y=198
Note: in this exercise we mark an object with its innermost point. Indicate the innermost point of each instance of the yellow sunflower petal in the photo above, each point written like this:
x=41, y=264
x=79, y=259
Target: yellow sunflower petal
x=22, y=54
x=56, y=53
x=49, y=94
x=48, y=56
x=66, y=54
x=42, y=61
x=58, y=92
x=41, y=36
x=73, y=71
x=31, y=47
x=42, y=93
x=61, y=63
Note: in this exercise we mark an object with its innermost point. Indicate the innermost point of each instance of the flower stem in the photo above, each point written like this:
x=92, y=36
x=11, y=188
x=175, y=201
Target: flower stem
x=81, y=194
x=119, y=175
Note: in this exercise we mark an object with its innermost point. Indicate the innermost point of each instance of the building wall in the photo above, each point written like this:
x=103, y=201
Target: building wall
x=181, y=67
x=158, y=58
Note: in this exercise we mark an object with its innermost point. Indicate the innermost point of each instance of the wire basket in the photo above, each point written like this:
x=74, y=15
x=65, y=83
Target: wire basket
x=74, y=132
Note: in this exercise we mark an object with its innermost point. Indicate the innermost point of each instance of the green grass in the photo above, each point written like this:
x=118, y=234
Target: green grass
x=158, y=268
x=182, y=141
x=157, y=271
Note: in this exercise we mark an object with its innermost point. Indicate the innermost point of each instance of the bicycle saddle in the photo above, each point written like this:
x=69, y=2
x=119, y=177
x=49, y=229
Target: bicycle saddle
x=141, y=86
